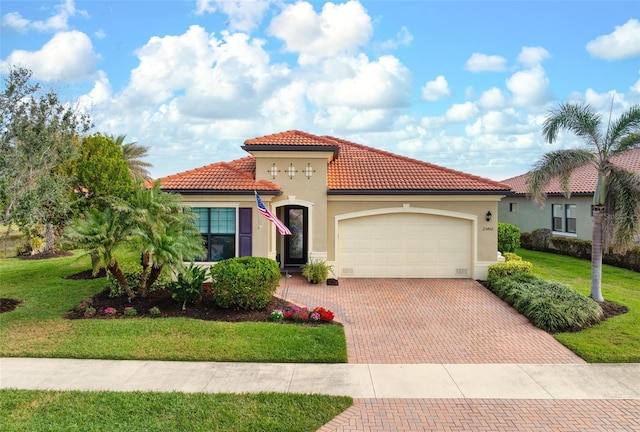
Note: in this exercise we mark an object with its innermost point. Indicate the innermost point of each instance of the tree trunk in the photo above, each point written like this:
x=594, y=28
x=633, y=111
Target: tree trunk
x=596, y=255
x=116, y=271
x=95, y=264
x=50, y=238
x=145, y=260
x=153, y=276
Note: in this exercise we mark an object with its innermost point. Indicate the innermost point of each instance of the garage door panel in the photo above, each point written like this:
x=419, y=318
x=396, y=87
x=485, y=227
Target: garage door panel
x=405, y=245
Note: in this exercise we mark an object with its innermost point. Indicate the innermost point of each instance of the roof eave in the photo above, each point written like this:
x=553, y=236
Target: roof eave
x=222, y=192
x=416, y=192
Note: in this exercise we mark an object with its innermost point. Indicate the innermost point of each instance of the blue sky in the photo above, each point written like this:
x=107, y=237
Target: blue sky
x=462, y=84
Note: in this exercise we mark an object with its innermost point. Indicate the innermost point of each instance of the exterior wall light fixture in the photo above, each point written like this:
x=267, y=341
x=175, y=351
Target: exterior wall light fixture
x=488, y=216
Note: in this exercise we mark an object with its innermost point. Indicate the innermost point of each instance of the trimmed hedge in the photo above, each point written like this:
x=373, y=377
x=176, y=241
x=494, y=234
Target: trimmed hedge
x=133, y=274
x=508, y=237
x=542, y=240
x=509, y=268
x=550, y=306
x=244, y=283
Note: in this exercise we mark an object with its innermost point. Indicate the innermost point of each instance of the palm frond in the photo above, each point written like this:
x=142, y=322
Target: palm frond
x=624, y=133
x=582, y=120
x=622, y=211
x=560, y=164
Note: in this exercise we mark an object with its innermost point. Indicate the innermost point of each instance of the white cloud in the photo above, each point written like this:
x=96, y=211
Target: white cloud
x=623, y=42
x=338, y=29
x=461, y=112
x=243, y=15
x=529, y=87
x=532, y=56
x=15, y=22
x=436, y=89
x=492, y=99
x=357, y=82
x=99, y=94
x=402, y=38
x=68, y=56
x=483, y=63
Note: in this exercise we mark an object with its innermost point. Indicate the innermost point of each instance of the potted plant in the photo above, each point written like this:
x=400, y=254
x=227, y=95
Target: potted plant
x=316, y=271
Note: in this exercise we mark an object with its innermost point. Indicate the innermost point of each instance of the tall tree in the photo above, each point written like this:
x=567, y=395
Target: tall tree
x=100, y=171
x=133, y=155
x=37, y=134
x=616, y=201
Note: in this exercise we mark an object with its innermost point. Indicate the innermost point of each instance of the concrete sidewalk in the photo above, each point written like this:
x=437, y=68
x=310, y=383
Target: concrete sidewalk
x=369, y=381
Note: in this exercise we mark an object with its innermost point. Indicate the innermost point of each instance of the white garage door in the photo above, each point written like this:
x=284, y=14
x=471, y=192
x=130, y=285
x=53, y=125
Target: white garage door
x=405, y=245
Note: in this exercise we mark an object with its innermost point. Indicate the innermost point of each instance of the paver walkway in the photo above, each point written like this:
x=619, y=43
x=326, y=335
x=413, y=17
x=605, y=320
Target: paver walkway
x=455, y=322
x=428, y=321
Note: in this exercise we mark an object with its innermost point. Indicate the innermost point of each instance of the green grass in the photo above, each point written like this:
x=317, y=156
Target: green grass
x=37, y=329
x=22, y=410
x=616, y=340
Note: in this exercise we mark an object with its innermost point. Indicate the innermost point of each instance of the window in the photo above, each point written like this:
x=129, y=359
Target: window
x=563, y=218
x=556, y=212
x=570, y=218
x=218, y=229
x=513, y=207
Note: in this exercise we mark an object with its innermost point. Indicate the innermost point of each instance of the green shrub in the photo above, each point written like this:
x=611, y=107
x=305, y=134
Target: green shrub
x=133, y=273
x=187, y=288
x=550, y=306
x=316, y=271
x=508, y=237
x=510, y=256
x=509, y=268
x=244, y=283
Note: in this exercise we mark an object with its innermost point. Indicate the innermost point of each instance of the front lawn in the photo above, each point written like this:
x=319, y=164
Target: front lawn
x=616, y=340
x=37, y=328
x=28, y=410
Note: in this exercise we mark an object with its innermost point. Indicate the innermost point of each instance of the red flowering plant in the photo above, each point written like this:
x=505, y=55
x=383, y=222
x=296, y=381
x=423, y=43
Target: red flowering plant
x=302, y=314
x=325, y=314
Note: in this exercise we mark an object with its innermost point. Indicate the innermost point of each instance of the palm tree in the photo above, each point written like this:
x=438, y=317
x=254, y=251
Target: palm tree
x=133, y=155
x=166, y=232
x=616, y=201
x=100, y=232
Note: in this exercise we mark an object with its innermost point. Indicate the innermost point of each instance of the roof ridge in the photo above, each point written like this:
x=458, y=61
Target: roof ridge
x=191, y=171
x=325, y=139
x=421, y=163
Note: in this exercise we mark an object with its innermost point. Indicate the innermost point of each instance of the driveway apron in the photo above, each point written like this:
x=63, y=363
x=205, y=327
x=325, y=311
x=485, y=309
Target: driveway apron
x=428, y=321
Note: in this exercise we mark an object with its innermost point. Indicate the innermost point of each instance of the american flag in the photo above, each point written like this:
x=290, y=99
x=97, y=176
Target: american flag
x=282, y=228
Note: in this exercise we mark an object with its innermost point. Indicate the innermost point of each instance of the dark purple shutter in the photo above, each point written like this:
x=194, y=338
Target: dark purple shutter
x=245, y=223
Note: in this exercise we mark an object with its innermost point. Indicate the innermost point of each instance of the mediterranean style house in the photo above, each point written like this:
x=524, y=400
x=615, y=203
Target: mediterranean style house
x=367, y=212
x=570, y=217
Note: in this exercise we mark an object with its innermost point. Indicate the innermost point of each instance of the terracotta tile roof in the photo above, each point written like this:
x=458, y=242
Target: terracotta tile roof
x=359, y=167
x=356, y=168
x=221, y=176
x=292, y=138
x=583, y=179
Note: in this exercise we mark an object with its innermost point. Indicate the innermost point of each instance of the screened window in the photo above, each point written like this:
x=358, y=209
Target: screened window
x=570, y=217
x=218, y=229
x=513, y=207
x=556, y=210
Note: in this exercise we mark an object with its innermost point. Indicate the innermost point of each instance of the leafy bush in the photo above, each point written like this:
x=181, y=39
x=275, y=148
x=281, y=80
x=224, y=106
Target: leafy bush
x=510, y=256
x=244, y=283
x=133, y=273
x=508, y=237
x=550, y=306
x=188, y=286
x=509, y=268
x=316, y=271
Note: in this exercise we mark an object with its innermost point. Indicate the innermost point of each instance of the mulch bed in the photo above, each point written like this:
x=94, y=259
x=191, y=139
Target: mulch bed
x=46, y=255
x=7, y=304
x=205, y=310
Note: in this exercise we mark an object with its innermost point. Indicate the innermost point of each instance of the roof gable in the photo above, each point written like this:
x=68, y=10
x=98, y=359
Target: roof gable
x=583, y=180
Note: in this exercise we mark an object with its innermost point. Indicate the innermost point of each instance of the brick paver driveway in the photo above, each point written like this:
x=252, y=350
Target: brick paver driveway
x=429, y=321
x=450, y=321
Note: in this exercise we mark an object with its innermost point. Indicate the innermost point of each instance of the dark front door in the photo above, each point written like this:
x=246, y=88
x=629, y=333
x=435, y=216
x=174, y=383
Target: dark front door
x=295, y=245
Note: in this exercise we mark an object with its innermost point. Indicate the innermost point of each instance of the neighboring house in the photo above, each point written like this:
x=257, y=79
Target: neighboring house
x=571, y=217
x=367, y=212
